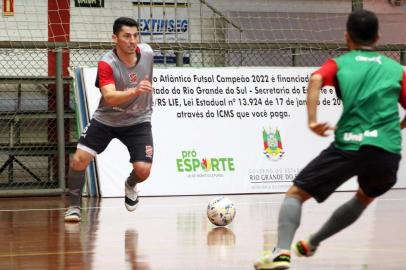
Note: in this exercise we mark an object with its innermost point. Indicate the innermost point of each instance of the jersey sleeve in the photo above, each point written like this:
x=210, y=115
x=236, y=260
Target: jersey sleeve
x=402, y=97
x=328, y=72
x=104, y=74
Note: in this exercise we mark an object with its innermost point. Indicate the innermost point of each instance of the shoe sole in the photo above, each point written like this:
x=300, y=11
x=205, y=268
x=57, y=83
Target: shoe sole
x=274, y=267
x=296, y=250
x=130, y=204
x=72, y=219
x=131, y=208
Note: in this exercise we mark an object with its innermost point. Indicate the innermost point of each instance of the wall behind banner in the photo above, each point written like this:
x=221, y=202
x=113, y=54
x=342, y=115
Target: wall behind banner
x=223, y=131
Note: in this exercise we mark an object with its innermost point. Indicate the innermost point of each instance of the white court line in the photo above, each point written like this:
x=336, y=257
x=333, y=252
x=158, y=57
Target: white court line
x=167, y=205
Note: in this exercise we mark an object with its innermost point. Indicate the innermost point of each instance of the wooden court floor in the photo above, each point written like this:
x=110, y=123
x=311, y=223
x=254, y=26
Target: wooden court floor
x=174, y=233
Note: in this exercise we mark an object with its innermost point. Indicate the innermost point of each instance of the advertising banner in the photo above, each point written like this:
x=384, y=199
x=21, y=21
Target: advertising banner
x=222, y=131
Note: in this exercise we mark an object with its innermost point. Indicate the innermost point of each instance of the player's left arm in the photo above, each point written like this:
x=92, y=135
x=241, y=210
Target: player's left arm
x=402, y=99
x=322, y=77
x=313, y=95
x=152, y=70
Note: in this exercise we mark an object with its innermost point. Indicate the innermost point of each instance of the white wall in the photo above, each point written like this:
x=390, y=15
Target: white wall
x=96, y=24
x=30, y=21
x=330, y=6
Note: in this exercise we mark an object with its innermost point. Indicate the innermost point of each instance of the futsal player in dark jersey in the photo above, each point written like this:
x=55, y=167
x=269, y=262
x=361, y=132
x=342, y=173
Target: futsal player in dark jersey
x=367, y=140
x=124, y=77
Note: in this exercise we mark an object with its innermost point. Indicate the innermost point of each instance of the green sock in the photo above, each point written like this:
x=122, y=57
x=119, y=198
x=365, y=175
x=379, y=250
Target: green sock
x=288, y=221
x=342, y=217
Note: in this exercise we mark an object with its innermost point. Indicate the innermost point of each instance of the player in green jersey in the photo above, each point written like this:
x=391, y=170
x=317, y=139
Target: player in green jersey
x=367, y=140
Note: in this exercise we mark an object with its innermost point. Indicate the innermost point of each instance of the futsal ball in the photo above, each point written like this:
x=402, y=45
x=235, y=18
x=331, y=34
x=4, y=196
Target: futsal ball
x=221, y=211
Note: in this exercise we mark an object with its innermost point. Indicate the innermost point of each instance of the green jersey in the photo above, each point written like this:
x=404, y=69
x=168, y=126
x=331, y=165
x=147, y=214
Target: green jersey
x=369, y=85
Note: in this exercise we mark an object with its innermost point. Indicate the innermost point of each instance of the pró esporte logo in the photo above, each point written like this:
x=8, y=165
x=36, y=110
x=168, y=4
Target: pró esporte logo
x=273, y=149
x=190, y=162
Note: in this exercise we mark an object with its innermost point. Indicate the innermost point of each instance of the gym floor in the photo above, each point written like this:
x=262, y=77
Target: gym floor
x=174, y=233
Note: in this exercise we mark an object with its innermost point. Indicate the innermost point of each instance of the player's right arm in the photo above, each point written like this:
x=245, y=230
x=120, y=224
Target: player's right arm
x=112, y=96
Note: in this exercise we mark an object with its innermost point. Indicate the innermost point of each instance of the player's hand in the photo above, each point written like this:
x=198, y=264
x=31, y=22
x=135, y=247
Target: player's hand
x=321, y=129
x=144, y=86
x=403, y=123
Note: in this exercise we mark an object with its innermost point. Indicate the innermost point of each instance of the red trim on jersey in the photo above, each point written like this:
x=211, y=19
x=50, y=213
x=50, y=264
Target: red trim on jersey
x=105, y=73
x=402, y=97
x=328, y=72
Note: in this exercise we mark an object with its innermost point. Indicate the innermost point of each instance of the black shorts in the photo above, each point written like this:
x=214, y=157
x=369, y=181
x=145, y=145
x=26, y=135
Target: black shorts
x=138, y=139
x=376, y=170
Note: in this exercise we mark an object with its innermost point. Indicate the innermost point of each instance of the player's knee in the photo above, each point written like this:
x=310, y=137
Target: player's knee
x=297, y=192
x=142, y=172
x=363, y=198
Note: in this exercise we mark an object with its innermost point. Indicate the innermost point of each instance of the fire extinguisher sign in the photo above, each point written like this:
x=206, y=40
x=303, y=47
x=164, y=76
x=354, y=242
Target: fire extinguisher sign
x=8, y=7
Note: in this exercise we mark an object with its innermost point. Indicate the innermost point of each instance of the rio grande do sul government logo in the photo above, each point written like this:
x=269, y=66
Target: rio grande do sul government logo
x=272, y=139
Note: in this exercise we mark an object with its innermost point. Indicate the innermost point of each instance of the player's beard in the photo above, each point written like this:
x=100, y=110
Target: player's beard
x=127, y=49
x=131, y=49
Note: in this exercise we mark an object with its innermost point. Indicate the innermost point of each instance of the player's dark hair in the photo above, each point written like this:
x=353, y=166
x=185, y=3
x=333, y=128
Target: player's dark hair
x=362, y=26
x=123, y=21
